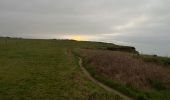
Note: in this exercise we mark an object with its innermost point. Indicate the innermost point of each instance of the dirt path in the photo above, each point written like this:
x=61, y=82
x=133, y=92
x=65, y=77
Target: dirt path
x=101, y=84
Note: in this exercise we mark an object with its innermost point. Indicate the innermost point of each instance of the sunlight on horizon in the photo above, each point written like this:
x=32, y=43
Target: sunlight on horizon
x=79, y=37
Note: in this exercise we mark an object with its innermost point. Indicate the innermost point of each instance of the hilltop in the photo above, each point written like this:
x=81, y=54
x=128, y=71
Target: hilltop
x=39, y=69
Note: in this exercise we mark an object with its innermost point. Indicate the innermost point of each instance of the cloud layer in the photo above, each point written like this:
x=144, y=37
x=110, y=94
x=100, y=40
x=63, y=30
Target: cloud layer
x=52, y=18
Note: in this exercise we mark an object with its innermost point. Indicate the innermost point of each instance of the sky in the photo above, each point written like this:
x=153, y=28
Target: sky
x=130, y=21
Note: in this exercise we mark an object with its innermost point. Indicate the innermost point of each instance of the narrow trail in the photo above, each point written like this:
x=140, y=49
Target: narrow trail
x=101, y=84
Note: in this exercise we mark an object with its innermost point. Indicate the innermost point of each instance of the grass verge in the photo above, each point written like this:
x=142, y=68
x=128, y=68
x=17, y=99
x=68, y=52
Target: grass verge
x=101, y=68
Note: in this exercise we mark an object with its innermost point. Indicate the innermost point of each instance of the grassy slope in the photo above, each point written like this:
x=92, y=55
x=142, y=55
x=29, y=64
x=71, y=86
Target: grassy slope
x=165, y=61
x=45, y=70
x=97, y=62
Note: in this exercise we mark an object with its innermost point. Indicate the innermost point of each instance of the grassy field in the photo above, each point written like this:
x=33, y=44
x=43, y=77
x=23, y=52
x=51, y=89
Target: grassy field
x=45, y=70
x=32, y=69
x=142, y=77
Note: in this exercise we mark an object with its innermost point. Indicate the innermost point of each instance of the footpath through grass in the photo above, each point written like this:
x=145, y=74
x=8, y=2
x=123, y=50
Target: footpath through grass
x=32, y=69
x=46, y=70
x=141, y=77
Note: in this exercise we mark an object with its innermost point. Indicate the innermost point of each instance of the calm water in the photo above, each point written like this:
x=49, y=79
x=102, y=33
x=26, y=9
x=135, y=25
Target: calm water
x=159, y=47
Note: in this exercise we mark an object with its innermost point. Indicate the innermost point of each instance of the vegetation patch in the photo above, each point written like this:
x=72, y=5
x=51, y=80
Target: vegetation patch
x=165, y=61
x=32, y=69
x=127, y=74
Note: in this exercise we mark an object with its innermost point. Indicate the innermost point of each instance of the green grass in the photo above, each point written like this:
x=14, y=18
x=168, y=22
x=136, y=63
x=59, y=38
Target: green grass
x=132, y=92
x=35, y=69
x=155, y=59
x=158, y=91
x=46, y=70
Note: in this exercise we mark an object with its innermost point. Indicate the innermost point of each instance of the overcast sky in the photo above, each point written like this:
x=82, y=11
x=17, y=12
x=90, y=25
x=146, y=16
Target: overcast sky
x=96, y=18
x=137, y=21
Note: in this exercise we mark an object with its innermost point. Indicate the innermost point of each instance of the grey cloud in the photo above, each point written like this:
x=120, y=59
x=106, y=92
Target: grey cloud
x=57, y=17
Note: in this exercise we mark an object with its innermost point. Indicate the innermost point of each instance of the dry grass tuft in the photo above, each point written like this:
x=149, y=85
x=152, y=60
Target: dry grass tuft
x=124, y=68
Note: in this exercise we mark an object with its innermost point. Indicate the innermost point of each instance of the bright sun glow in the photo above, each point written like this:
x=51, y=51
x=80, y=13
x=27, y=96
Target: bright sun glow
x=77, y=37
x=80, y=37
